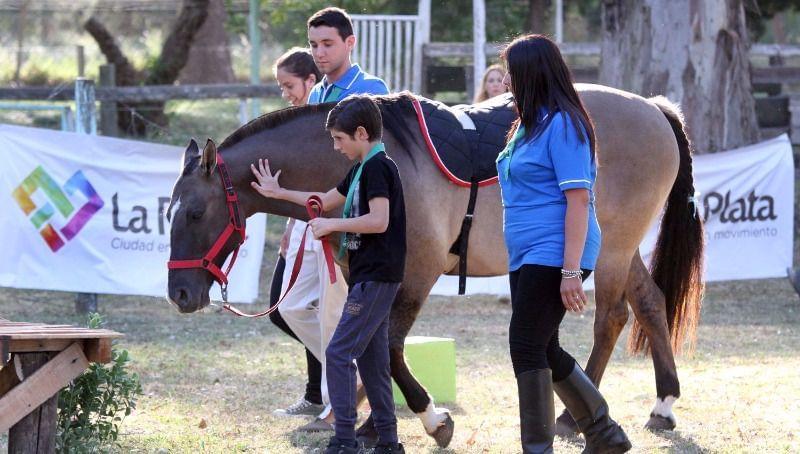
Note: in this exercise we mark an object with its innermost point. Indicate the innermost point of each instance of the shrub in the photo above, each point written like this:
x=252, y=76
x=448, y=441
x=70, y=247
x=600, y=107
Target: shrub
x=92, y=408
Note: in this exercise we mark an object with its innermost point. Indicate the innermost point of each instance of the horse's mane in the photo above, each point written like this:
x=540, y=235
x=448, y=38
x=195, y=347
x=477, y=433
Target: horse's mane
x=393, y=108
x=271, y=120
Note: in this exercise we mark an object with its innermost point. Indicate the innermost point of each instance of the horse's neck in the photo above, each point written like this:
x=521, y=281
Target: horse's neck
x=241, y=156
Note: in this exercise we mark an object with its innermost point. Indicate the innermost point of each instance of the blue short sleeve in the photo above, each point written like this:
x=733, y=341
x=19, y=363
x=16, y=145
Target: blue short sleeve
x=572, y=159
x=316, y=93
x=375, y=86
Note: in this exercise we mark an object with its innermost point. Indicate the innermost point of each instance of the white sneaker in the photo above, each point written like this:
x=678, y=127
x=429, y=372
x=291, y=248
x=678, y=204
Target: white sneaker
x=300, y=408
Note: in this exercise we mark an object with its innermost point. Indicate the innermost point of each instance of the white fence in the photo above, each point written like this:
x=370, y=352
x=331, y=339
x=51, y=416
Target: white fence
x=390, y=47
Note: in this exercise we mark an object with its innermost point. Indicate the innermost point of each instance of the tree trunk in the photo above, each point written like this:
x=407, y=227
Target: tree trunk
x=695, y=52
x=134, y=119
x=537, y=14
x=209, y=57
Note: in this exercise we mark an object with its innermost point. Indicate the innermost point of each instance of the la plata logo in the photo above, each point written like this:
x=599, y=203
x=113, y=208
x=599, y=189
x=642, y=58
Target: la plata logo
x=749, y=208
x=54, y=199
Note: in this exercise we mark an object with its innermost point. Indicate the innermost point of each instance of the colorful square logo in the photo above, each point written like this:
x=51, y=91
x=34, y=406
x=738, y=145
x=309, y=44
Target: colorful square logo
x=57, y=199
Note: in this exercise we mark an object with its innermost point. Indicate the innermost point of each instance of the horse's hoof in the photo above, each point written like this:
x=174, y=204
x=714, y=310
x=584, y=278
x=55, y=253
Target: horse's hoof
x=566, y=427
x=658, y=423
x=366, y=436
x=444, y=433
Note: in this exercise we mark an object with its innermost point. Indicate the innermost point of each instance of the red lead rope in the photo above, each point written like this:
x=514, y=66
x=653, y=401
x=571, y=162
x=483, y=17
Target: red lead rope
x=314, y=209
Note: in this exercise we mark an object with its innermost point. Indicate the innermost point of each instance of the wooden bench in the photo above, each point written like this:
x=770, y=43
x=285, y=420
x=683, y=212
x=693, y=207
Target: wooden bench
x=36, y=361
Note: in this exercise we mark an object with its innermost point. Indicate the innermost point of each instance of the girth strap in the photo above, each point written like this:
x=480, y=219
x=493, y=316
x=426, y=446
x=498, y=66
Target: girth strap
x=462, y=242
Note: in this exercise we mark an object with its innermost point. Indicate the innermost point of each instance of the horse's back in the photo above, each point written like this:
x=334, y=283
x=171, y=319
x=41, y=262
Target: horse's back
x=637, y=161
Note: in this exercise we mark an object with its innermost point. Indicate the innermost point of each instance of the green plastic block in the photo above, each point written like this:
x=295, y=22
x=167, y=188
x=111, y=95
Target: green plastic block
x=433, y=361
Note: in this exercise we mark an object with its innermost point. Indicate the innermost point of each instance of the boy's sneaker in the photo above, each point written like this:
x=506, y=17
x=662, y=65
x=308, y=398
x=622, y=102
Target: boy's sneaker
x=300, y=408
x=389, y=448
x=335, y=446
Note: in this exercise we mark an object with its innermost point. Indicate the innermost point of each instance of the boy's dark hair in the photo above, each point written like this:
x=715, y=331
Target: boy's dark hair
x=333, y=17
x=354, y=111
x=298, y=62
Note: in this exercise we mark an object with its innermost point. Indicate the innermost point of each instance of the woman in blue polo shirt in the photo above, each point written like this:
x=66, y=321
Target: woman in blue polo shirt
x=546, y=175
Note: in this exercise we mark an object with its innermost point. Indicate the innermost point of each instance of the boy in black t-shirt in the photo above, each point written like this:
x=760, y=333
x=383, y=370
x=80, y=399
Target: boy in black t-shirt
x=373, y=230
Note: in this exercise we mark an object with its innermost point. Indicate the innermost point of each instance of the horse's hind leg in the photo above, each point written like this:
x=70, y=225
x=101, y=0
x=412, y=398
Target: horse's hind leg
x=611, y=314
x=648, y=305
x=437, y=422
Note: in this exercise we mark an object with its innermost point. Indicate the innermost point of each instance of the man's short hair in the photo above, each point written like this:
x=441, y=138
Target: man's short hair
x=354, y=111
x=333, y=17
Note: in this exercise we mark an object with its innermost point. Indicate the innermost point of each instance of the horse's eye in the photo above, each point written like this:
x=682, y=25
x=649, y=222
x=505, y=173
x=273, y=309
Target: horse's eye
x=197, y=214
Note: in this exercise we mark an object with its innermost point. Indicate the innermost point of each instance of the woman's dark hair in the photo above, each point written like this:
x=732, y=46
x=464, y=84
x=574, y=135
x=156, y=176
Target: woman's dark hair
x=298, y=62
x=354, y=111
x=540, y=79
x=333, y=17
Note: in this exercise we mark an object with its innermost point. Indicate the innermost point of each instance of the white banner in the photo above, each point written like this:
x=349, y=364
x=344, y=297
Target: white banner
x=747, y=199
x=87, y=214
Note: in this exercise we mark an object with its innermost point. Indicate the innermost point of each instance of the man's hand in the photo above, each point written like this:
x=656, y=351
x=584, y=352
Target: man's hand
x=321, y=227
x=266, y=183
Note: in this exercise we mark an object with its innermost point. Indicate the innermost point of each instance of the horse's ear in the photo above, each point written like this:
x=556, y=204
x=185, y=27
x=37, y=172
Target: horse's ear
x=209, y=160
x=192, y=150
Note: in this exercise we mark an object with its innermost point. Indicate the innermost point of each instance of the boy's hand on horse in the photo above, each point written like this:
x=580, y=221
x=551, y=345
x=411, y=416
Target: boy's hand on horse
x=266, y=183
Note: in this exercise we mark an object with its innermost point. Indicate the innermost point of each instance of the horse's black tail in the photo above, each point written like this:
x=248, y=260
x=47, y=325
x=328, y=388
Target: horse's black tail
x=677, y=263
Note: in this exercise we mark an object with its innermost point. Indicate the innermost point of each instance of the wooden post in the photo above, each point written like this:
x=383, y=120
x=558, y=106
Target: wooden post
x=85, y=115
x=35, y=433
x=85, y=123
x=559, y=21
x=81, y=61
x=470, y=83
x=422, y=36
x=478, y=47
x=794, y=118
x=255, y=54
x=108, y=109
x=243, y=111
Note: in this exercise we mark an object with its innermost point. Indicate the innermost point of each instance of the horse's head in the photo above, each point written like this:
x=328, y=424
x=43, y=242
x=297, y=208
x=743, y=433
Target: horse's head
x=198, y=214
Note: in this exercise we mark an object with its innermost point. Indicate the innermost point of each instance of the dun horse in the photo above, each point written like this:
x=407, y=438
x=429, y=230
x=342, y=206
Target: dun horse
x=644, y=168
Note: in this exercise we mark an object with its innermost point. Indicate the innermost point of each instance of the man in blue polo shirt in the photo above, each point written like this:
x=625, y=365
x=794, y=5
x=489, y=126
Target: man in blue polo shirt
x=330, y=36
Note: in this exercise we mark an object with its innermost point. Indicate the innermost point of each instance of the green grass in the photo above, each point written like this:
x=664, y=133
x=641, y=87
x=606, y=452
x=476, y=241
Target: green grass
x=739, y=389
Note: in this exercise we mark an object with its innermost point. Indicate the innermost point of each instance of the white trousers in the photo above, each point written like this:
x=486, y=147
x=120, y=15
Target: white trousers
x=313, y=307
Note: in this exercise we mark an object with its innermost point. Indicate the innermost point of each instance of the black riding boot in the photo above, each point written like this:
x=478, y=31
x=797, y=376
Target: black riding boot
x=536, y=413
x=590, y=411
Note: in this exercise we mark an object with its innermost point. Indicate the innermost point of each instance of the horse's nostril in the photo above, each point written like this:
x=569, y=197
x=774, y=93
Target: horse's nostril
x=183, y=296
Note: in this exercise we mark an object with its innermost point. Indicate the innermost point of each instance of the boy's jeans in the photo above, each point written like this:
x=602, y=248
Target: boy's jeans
x=363, y=335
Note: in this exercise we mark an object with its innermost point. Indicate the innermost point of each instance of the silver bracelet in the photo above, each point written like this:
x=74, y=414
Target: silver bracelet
x=569, y=274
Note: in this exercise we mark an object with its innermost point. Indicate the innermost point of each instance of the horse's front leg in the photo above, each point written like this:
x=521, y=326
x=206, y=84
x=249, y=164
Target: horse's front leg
x=611, y=314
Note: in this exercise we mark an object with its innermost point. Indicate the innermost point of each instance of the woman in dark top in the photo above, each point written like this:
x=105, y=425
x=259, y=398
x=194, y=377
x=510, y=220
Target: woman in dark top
x=546, y=173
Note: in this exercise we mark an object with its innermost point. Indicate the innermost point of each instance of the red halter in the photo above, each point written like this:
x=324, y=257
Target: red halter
x=235, y=225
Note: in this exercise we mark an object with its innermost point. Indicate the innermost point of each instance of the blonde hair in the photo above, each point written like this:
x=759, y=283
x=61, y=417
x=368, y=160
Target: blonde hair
x=482, y=95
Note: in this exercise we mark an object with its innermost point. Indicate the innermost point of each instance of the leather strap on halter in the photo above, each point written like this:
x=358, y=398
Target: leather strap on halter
x=314, y=208
x=235, y=225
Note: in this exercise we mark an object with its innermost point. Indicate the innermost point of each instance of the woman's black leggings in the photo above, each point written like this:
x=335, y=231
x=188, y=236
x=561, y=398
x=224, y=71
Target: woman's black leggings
x=313, y=391
x=537, y=312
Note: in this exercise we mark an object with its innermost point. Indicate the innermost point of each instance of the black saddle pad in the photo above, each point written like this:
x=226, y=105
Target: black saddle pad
x=492, y=119
x=465, y=140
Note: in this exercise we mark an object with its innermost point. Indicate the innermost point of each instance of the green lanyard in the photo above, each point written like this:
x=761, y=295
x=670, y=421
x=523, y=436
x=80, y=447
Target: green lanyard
x=508, y=151
x=333, y=95
x=351, y=191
